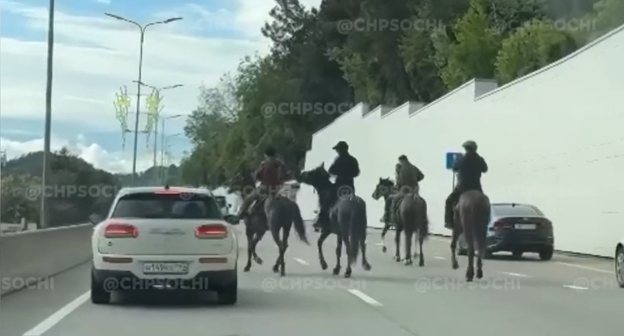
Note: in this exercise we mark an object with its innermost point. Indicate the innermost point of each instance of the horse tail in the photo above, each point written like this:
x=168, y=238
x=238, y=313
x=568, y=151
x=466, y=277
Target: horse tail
x=299, y=226
x=358, y=227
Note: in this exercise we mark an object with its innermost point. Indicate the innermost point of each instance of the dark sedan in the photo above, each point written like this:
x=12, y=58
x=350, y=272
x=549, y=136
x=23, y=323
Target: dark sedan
x=517, y=228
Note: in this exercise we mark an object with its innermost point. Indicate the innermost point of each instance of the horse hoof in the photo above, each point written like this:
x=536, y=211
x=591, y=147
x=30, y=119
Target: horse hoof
x=323, y=265
x=384, y=249
x=397, y=258
x=469, y=276
x=347, y=275
x=283, y=272
x=479, y=274
x=367, y=267
x=421, y=263
x=275, y=269
x=258, y=260
x=455, y=266
x=336, y=271
x=247, y=268
x=408, y=262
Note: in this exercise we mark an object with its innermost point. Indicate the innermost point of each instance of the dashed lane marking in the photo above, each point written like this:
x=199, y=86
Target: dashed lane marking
x=440, y=258
x=301, y=261
x=575, y=287
x=59, y=315
x=365, y=298
x=516, y=274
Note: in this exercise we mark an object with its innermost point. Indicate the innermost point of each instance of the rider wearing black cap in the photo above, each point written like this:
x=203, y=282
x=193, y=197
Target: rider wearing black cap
x=469, y=169
x=346, y=168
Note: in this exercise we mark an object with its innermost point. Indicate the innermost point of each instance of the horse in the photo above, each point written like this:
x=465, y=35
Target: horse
x=255, y=223
x=344, y=216
x=471, y=215
x=411, y=219
x=281, y=212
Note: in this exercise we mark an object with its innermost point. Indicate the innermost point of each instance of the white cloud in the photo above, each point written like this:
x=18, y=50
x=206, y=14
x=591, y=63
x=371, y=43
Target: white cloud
x=95, y=55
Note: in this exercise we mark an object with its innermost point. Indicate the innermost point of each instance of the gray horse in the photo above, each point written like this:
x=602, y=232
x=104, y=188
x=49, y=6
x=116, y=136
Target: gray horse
x=343, y=216
x=471, y=216
x=410, y=218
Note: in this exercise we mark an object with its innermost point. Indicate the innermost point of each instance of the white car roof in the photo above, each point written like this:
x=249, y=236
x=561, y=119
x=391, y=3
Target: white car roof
x=138, y=190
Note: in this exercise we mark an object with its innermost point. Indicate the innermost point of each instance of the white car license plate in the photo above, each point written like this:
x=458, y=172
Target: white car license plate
x=525, y=226
x=165, y=268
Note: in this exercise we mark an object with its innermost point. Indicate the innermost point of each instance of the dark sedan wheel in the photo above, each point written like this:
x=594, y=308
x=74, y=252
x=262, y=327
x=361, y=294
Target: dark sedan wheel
x=619, y=266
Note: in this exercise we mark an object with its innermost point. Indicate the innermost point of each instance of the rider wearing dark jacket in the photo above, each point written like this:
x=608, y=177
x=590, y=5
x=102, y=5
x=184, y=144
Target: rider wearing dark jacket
x=271, y=174
x=469, y=169
x=346, y=168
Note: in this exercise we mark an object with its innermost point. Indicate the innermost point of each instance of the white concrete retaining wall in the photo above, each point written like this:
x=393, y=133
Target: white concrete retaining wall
x=31, y=255
x=553, y=139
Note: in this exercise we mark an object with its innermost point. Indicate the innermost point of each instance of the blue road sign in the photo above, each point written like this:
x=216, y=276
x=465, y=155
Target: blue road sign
x=451, y=158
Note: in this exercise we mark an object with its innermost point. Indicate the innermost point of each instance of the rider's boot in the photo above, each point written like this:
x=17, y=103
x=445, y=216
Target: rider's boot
x=448, y=216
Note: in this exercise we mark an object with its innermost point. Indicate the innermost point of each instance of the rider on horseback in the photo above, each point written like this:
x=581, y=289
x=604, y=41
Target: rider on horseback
x=346, y=168
x=271, y=174
x=407, y=179
x=469, y=169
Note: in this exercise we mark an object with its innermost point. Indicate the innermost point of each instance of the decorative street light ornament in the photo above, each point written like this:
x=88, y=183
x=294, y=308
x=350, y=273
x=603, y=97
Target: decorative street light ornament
x=122, y=105
x=153, y=112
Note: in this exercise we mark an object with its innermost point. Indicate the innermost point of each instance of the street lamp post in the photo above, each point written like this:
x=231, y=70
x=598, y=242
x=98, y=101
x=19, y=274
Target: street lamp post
x=48, y=116
x=138, y=108
x=165, y=151
x=158, y=90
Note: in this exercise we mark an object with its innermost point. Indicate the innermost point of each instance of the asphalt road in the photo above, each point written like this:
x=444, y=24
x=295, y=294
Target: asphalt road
x=570, y=296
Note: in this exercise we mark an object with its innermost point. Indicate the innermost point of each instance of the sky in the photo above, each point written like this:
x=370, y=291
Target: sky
x=95, y=56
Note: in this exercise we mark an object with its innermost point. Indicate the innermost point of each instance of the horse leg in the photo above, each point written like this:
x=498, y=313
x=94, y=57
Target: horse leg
x=397, y=242
x=256, y=240
x=454, y=239
x=284, y=247
x=365, y=264
x=250, y=237
x=383, y=236
x=421, y=255
x=338, y=254
x=319, y=243
x=347, y=243
x=408, y=246
x=470, y=273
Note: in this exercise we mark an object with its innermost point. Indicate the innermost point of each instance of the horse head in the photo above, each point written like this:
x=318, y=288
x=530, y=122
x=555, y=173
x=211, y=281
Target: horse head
x=318, y=178
x=383, y=188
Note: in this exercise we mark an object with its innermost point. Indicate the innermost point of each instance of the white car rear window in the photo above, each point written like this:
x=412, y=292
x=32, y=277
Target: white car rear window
x=162, y=206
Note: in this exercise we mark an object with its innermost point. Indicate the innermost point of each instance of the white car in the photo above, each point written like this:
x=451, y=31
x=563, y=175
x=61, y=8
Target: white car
x=164, y=238
x=619, y=263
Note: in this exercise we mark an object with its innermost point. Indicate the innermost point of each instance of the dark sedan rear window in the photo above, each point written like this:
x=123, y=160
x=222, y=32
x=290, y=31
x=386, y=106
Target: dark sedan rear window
x=162, y=206
x=519, y=210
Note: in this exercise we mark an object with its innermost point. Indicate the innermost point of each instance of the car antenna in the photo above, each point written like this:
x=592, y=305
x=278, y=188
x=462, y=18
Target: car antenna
x=166, y=187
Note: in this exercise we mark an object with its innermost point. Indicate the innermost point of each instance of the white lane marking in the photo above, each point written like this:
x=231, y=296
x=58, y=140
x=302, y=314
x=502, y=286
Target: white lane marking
x=365, y=297
x=585, y=267
x=517, y=274
x=301, y=261
x=379, y=244
x=575, y=287
x=60, y=314
x=439, y=257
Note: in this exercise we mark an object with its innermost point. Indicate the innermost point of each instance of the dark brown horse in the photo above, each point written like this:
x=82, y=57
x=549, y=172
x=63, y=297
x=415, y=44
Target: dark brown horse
x=471, y=216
